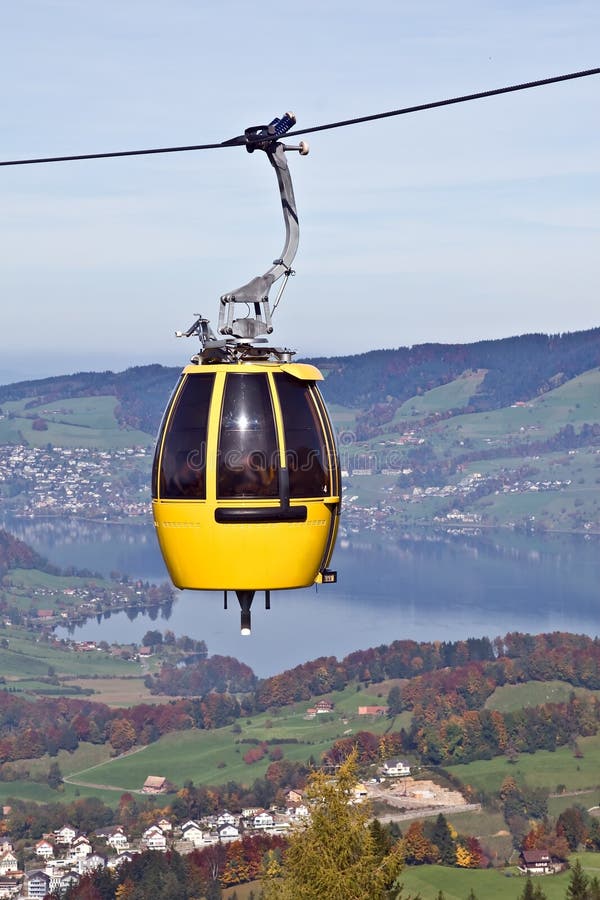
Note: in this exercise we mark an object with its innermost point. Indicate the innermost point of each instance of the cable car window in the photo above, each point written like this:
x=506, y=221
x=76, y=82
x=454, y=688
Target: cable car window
x=306, y=452
x=248, y=453
x=183, y=462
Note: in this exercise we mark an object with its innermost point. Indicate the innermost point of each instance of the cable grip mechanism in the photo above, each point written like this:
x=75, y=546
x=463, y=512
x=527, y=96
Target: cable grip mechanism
x=254, y=296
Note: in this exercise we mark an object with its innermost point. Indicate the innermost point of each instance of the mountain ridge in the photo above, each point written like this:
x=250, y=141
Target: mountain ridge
x=517, y=368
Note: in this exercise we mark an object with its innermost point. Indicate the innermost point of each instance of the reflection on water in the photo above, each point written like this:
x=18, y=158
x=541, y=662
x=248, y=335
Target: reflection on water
x=426, y=587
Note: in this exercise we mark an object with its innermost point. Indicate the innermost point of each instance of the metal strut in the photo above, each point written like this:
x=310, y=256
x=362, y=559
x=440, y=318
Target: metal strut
x=255, y=294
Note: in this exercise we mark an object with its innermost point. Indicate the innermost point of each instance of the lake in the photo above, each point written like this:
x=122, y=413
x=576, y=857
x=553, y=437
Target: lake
x=424, y=586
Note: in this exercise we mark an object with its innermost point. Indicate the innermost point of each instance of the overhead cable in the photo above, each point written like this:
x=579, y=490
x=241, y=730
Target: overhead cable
x=237, y=141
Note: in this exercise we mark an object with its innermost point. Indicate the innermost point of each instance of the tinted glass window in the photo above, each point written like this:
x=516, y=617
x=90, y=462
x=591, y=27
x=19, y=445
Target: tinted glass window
x=304, y=440
x=248, y=455
x=183, y=463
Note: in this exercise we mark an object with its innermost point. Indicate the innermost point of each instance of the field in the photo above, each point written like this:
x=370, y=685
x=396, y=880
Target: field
x=214, y=757
x=120, y=692
x=73, y=422
x=428, y=881
x=511, y=697
x=542, y=769
x=488, y=884
x=28, y=659
x=454, y=395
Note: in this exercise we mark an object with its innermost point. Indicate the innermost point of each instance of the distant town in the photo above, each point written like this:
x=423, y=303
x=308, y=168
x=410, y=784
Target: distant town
x=113, y=485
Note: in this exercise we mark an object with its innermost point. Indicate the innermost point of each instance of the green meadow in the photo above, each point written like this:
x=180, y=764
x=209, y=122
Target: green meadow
x=487, y=884
x=510, y=697
x=27, y=658
x=543, y=769
x=216, y=756
x=454, y=395
x=72, y=422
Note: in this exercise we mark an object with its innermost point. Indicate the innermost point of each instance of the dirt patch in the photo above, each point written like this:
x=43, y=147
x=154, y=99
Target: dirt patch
x=409, y=793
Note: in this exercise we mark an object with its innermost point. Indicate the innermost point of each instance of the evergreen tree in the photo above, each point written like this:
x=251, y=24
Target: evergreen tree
x=333, y=856
x=381, y=840
x=578, y=884
x=442, y=838
x=54, y=777
x=594, y=891
x=531, y=892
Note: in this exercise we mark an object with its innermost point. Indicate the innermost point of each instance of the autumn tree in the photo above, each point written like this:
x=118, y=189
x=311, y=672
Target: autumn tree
x=417, y=848
x=333, y=855
x=122, y=735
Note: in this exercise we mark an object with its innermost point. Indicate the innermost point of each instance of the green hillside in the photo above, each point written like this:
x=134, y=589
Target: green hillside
x=497, y=433
x=88, y=422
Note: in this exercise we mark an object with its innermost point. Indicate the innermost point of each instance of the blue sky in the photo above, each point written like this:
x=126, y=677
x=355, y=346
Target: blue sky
x=475, y=221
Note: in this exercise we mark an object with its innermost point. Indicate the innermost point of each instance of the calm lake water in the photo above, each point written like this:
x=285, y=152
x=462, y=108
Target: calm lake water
x=425, y=587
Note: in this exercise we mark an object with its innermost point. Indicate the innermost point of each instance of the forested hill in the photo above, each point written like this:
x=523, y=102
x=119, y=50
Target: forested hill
x=16, y=554
x=515, y=368
x=142, y=392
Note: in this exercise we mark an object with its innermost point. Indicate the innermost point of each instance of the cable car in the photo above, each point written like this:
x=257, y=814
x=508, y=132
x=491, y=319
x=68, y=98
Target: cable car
x=246, y=481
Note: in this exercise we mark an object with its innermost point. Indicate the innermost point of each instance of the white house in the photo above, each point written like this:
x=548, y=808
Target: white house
x=228, y=833
x=91, y=863
x=192, y=832
x=38, y=883
x=154, y=839
x=43, y=848
x=9, y=862
x=226, y=819
x=65, y=835
x=263, y=820
x=298, y=811
x=395, y=768
x=81, y=847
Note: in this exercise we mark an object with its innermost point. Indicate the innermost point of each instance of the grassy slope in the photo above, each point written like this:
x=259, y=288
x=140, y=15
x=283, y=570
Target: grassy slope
x=26, y=658
x=542, y=769
x=511, y=697
x=428, y=881
x=454, y=395
x=197, y=755
x=73, y=422
x=487, y=885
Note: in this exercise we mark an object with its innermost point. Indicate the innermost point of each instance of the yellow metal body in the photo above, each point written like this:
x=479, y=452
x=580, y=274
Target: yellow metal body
x=203, y=553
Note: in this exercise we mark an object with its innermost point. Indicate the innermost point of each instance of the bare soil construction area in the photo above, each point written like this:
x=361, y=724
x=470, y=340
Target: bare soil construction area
x=408, y=796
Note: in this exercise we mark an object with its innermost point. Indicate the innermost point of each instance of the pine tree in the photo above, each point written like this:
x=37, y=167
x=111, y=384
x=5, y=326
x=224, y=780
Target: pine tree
x=54, y=778
x=532, y=893
x=381, y=841
x=333, y=856
x=594, y=891
x=442, y=838
x=578, y=884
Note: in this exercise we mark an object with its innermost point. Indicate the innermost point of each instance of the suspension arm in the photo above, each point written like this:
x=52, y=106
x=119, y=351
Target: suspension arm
x=255, y=294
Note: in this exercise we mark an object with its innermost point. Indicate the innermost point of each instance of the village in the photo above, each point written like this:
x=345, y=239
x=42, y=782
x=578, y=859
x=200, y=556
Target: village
x=59, y=859
x=75, y=481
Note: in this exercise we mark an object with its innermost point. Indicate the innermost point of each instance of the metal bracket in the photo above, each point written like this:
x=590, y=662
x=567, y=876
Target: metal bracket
x=255, y=294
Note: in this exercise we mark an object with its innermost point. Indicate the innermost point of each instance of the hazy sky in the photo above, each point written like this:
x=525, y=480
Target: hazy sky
x=475, y=221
